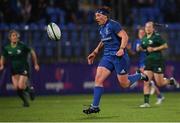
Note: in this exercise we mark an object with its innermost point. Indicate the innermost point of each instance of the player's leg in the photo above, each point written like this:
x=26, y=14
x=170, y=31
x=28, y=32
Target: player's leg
x=146, y=89
x=30, y=90
x=121, y=66
x=159, y=76
x=22, y=86
x=161, y=81
x=15, y=81
x=101, y=75
x=123, y=80
x=155, y=89
x=141, y=69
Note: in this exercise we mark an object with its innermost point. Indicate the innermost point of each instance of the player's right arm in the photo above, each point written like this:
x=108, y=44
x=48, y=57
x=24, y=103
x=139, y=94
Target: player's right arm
x=93, y=55
x=35, y=61
x=1, y=63
x=3, y=56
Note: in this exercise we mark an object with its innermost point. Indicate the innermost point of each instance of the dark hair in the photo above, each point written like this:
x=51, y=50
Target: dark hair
x=140, y=28
x=105, y=10
x=13, y=31
x=155, y=25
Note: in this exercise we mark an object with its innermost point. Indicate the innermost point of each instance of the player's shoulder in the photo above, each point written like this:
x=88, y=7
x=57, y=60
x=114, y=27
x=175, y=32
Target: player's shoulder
x=20, y=43
x=6, y=46
x=157, y=34
x=144, y=37
x=113, y=22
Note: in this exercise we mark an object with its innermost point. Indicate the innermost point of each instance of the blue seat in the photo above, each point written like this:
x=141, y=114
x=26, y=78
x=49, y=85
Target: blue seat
x=4, y=26
x=14, y=26
x=68, y=49
x=52, y=13
x=77, y=49
x=61, y=16
x=50, y=47
x=90, y=17
x=33, y=26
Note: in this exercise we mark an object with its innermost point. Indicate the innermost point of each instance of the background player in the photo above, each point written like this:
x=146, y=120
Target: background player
x=17, y=53
x=136, y=49
x=154, y=62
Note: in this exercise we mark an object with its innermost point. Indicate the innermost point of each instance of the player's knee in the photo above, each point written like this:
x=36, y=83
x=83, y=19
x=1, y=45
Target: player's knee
x=98, y=81
x=160, y=84
x=16, y=87
x=124, y=84
x=21, y=86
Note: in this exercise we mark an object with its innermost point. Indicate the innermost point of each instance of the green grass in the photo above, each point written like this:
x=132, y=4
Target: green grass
x=114, y=107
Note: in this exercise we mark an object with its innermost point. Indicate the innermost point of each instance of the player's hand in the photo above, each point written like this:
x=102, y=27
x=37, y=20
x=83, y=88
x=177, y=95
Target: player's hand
x=36, y=67
x=91, y=58
x=139, y=48
x=129, y=46
x=1, y=67
x=120, y=52
x=150, y=49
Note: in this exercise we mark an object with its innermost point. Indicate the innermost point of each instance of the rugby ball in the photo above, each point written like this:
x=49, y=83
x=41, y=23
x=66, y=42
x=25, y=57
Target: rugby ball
x=53, y=31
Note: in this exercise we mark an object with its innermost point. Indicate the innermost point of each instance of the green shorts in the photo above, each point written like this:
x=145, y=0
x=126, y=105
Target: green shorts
x=155, y=66
x=24, y=72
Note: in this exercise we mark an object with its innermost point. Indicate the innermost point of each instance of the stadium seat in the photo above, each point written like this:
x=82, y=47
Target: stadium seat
x=14, y=26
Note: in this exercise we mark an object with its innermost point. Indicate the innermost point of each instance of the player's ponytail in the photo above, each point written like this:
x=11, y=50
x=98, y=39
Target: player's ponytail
x=160, y=25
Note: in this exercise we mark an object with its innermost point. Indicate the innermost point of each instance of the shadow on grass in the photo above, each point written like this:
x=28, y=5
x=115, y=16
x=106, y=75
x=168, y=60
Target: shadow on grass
x=96, y=117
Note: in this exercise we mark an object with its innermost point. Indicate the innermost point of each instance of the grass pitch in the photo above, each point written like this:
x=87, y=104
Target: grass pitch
x=114, y=107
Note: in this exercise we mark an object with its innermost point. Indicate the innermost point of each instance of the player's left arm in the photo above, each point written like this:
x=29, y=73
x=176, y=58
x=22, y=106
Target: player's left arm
x=1, y=63
x=3, y=56
x=163, y=45
x=34, y=59
x=124, y=40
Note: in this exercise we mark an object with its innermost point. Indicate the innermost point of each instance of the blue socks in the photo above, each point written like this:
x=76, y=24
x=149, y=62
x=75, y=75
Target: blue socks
x=134, y=78
x=98, y=91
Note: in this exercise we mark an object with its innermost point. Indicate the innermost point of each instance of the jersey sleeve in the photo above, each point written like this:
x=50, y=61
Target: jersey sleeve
x=4, y=52
x=143, y=44
x=26, y=48
x=160, y=40
x=136, y=44
x=116, y=27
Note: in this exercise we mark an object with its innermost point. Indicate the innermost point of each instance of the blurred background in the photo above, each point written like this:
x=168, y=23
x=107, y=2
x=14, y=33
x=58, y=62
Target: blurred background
x=64, y=69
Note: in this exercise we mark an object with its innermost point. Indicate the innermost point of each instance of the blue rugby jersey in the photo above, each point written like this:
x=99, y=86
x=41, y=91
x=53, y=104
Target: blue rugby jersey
x=142, y=54
x=108, y=33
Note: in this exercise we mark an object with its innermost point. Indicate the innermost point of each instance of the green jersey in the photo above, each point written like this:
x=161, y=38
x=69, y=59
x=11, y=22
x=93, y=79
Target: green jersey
x=17, y=55
x=154, y=41
x=154, y=61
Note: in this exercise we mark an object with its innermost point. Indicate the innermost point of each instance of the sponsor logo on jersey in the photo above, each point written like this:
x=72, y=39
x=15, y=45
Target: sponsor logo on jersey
x=18, y=51
x=150, y=42
x=25, y=72
x=123, y=71
x=107, y=31
x=159, y=69
x=9, y=52
x=105, y=39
